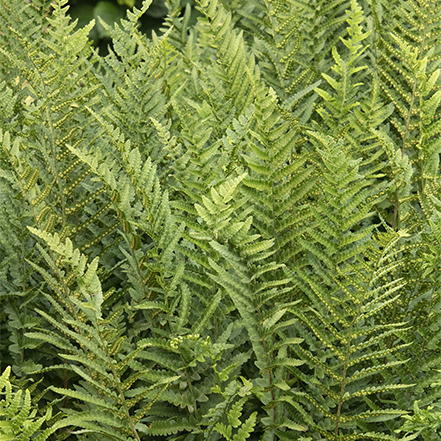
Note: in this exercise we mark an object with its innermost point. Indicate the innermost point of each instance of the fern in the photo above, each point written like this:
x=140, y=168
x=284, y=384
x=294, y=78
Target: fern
x=17, y=415
x=229, y=230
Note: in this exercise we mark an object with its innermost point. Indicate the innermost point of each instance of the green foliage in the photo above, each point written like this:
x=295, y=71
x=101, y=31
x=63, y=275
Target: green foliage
x=425, y=421
x=112, y=11
x=230, y=231
x=18, y=417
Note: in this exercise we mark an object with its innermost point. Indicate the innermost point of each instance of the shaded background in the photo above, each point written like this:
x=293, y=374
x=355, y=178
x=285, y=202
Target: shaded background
x=112, y=11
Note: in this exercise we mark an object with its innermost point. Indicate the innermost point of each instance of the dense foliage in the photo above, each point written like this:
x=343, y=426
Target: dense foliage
x=231, y=231
x=112, y=11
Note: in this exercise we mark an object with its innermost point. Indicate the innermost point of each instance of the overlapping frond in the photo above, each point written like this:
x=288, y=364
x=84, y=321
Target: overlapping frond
x=229, y=230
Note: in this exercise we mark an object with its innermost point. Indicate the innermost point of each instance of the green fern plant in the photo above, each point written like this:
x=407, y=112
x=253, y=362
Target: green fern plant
x=229, y=230
x=233, y=414
x=18, y=419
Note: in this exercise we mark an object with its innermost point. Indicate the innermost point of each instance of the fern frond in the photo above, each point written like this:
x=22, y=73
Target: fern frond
x=18, y=421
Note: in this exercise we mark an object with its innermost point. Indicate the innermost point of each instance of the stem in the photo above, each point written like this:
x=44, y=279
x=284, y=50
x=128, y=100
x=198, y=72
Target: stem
x=117, y=381
x=395, y=223
x=343, y=384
